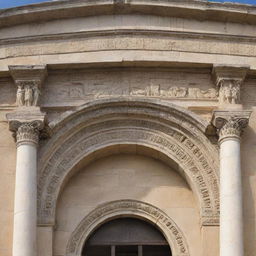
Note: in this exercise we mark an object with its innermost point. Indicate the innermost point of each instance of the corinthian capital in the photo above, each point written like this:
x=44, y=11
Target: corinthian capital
x=28, y=133
x=26, y=126
x=230, y=124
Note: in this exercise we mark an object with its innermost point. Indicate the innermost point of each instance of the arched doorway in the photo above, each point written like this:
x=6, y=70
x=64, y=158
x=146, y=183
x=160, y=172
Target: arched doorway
x=128, y=209
x=126, y=237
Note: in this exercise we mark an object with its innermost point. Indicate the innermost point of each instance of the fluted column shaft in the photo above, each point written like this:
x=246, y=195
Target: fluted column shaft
x=25, y=209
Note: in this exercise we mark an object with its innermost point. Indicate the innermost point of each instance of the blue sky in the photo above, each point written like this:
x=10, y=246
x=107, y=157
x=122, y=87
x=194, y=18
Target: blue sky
x=12, y=3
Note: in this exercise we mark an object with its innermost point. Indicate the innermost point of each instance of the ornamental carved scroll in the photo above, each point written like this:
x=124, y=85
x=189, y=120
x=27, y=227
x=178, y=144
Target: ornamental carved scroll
x=128, y=208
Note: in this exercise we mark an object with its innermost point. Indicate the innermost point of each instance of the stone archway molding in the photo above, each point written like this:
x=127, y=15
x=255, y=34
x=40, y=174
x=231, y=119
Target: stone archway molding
x=172, y=131
x=128, y=208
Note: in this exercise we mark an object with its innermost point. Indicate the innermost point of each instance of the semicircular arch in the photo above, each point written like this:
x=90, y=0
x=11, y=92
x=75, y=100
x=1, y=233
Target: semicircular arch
x=127, y=208
x=172, y=131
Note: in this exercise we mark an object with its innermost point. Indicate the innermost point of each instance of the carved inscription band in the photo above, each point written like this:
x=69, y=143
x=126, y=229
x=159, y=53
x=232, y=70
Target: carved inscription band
x=127, y=208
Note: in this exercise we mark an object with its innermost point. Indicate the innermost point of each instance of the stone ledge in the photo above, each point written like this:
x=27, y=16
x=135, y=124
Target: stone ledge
x=200, y=10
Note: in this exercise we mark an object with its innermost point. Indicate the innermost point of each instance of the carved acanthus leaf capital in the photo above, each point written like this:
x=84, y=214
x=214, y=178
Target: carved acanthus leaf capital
x=26, y=126
x=230, y=124
x=28, y=133
x=233, y=127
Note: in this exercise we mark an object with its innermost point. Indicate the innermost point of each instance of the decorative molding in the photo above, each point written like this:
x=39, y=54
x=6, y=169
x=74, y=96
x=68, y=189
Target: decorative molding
x=228, y=80
x=28, y=80
x=89, y=130
x=230, y=124
x=129, y=208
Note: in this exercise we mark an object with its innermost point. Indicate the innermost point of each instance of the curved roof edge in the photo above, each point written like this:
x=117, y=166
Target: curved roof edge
x=201, y=10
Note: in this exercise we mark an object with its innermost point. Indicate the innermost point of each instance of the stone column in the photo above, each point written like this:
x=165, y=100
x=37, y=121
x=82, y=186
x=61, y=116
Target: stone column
x=25, y=209
x=26, y=128
x=230, y=126
x=26, y=122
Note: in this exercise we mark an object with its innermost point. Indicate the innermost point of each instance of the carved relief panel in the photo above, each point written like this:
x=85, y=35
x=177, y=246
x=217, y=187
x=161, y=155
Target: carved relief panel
x=78, y=86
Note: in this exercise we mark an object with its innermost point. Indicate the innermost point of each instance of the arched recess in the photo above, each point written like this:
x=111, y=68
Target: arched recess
x=172, y=131
x=127, y=208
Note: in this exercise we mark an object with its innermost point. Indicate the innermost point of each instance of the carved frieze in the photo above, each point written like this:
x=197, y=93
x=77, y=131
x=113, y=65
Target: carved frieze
x=174, y=92
x=76, y=88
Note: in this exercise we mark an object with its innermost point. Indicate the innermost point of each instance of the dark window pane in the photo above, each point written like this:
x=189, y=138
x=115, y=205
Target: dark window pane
x=130, y=250
x=97, y=251
x=156, y=250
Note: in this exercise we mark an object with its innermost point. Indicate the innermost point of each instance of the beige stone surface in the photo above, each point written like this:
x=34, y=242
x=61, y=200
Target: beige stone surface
x=44, y=241
x=111, y=179
x=210, y=240
x=155, y=52
x=7, y=186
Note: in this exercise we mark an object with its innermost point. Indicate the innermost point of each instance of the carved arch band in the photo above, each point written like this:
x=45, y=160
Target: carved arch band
x=171, y=132
x=128, y=208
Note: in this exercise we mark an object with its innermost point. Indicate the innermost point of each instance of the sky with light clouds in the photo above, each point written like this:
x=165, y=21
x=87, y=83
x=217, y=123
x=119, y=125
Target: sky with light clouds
x=13, y=3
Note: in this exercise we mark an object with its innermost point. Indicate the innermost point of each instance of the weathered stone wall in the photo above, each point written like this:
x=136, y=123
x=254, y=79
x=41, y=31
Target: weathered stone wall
x=144, y=53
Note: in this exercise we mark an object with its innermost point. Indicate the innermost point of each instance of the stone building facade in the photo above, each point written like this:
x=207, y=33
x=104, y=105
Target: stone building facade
x=141, y=109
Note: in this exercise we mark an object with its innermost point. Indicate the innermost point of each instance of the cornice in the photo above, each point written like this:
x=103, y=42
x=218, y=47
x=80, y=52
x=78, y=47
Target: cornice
x=201, y=10
x=127, y=32
x=225, y=72
x=28, y=72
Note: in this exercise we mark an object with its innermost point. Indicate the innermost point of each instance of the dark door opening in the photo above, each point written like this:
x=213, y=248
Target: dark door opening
x=126, y=237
